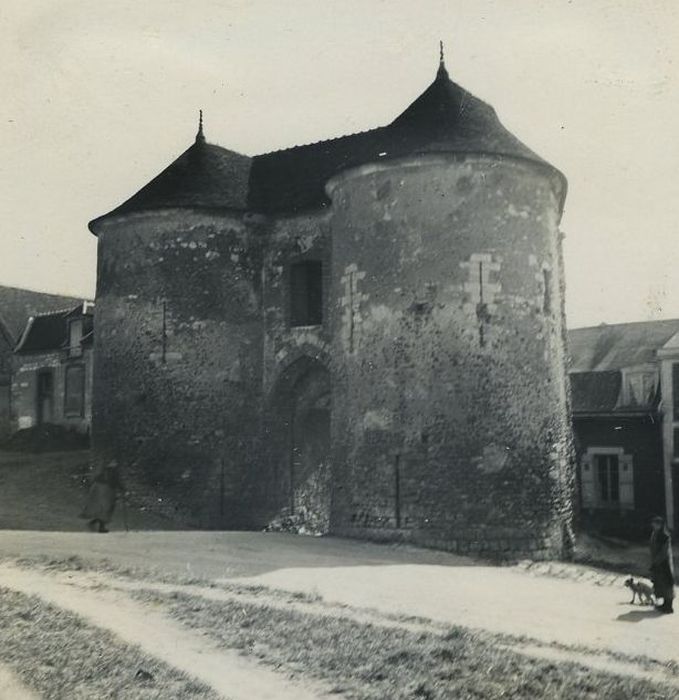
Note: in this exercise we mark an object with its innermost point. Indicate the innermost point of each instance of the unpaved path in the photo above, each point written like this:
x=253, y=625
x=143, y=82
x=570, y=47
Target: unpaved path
x=316, y=606
x=502, y=600
x=11, y=687
x=271, y=599
x=216, y=554
x=592, y=611
x=227, y=672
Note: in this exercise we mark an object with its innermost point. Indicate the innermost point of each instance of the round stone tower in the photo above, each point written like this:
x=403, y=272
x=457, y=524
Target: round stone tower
x=450, y=411
x=178, y=340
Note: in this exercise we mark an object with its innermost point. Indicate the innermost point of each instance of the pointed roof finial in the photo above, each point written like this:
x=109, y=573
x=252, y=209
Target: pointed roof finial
x=442, y=73
x=200, y=136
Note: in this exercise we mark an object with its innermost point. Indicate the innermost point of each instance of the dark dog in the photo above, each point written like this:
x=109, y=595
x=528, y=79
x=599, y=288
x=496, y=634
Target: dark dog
x=643, y=590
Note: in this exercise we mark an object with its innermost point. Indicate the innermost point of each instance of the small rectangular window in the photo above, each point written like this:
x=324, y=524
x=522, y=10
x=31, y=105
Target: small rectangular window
x=306, y=293
x=45, y=381
x=75, y=336
x=609, y=478
x=74, y=395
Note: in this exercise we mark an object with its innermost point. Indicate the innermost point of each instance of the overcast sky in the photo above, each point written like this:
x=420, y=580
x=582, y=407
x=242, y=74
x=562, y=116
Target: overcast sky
x=98, y=97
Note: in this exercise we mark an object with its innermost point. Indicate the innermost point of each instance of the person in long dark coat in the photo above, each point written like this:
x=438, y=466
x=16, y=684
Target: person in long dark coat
x=662, y=565
x=101, y=500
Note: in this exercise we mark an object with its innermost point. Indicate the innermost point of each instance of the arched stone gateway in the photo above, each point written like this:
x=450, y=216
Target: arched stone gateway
x=301, y=438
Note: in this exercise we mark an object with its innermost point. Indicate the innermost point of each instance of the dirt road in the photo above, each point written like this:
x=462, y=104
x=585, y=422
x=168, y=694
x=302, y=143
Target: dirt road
x=498, y=600
x=216, y=554
x=573, y=606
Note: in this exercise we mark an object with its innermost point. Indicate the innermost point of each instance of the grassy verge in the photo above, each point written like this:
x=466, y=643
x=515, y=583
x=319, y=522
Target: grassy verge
x=46, y=491
x=59, y=656
x=76, y=563
x=369, y=662
x=42, y=491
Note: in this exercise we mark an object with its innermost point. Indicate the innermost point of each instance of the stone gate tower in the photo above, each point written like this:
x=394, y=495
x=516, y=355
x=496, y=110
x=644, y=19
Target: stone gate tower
x=367, y=331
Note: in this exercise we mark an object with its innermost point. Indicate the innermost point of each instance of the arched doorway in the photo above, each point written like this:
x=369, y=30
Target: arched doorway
x=303, y=411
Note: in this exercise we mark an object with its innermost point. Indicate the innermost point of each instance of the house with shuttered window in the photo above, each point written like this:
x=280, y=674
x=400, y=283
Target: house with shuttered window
x=16, y=307
x=52, y=374
x=625, y=407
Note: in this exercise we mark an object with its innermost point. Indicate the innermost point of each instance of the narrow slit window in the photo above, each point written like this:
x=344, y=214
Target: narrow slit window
x=547, y=292
x=306, y=293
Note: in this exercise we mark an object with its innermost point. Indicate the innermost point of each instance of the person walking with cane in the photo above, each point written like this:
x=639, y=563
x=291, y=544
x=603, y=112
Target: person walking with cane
x=662, y=564
x=101, y=500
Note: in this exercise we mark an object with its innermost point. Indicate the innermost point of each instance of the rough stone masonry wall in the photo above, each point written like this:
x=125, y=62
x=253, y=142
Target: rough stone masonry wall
x=289, y=352
x=450, y=415
x=178, y=359
x=292, y=239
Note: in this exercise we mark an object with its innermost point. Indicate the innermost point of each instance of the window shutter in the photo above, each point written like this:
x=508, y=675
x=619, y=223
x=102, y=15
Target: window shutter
x=587, y=482
x=74, y=391
x=626, y=481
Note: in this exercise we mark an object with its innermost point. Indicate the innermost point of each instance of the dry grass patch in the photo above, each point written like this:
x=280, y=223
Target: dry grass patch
x=370, y=662
x=61, y=657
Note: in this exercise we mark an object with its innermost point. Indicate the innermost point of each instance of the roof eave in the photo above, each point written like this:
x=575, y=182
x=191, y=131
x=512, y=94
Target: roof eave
x=653, y=413
x=95, y=224
x=24, y=335
x=6, y=333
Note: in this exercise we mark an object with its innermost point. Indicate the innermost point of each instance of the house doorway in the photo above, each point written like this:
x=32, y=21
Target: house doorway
x=45, y=399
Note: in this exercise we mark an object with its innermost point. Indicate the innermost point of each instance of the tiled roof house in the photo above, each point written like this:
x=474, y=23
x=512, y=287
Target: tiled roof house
x=16, y=307
x=625, y=404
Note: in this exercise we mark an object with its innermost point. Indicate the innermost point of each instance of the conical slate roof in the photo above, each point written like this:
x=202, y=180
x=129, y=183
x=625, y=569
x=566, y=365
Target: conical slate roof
x=448, y=118
x=205, y=176
x=445, y=118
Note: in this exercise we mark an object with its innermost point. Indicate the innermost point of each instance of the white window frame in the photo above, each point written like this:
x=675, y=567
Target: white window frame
x=590, y=497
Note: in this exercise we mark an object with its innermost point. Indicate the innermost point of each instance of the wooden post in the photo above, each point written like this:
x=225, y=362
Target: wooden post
x=292, y=460
x=164, y=337
x=221, y=492
x=397, y=489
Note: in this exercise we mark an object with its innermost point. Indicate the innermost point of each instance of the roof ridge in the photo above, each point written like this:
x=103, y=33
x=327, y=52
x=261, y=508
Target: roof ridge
x=41, y=291
x=321, y=141
x=211, y=144
x=55, y=312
